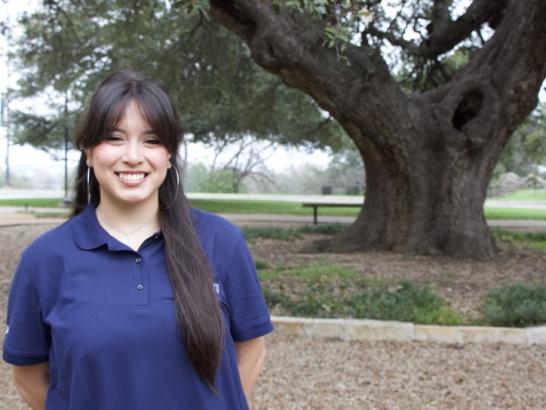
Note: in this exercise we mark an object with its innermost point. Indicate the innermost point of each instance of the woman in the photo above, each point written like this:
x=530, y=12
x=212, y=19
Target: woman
x=137, y=301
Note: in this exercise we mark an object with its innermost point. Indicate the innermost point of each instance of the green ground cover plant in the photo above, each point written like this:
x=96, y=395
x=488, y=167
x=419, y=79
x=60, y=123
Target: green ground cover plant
x=270, y=232
x=326, y=290
x=324, y=228
x=535, y=240
x=274, y=232
x=516, y=304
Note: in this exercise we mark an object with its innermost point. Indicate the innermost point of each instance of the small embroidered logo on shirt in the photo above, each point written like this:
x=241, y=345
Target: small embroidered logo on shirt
x=216, y=288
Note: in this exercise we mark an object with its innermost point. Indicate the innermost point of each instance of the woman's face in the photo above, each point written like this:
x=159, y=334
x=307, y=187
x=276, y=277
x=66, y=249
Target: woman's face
x=131, y=163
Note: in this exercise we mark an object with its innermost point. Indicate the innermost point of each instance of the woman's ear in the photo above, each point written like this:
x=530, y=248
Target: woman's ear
x=88, y=159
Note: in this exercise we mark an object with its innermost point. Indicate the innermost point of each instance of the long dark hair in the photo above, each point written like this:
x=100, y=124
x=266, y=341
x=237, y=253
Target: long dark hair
x=197, y=309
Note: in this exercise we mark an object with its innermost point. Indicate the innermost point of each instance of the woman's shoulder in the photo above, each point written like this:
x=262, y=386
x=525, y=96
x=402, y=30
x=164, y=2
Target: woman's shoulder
x=52, y=240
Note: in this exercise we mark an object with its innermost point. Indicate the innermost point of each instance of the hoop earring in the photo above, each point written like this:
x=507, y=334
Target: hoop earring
x=177, y=183
x=177, y=180
x=88, y=185
x=177, y=188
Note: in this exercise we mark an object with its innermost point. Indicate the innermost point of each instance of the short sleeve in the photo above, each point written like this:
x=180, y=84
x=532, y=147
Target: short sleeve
x=27, y=337
x=249, y=317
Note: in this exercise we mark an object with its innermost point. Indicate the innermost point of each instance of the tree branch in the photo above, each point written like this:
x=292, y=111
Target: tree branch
x=445, y=33
x=440, y=14
x=409, y=46
x=291, y=46
x=499, y=86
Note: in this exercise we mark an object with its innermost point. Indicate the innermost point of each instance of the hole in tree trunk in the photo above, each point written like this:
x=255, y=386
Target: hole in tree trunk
x=468, y=108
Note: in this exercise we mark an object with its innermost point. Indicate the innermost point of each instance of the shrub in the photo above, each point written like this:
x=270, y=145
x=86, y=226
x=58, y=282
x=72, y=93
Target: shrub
x=327, y=296
x=518, y=304
x=261, y=264
x=332, y=228
x=273, y=297
x=406, y=302
x=535, y=240
x=270, y=232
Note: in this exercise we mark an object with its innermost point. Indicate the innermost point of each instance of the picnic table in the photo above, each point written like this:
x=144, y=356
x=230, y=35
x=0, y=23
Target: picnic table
x=316, y=205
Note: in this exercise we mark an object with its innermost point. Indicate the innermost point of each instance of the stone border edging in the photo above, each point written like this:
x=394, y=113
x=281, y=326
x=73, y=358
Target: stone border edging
x=377, y=330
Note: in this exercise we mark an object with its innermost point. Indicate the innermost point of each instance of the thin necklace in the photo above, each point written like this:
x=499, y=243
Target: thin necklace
x=126, y=235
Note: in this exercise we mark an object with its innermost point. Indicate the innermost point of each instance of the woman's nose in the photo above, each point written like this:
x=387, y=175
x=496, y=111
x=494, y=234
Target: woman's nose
x=133, y=152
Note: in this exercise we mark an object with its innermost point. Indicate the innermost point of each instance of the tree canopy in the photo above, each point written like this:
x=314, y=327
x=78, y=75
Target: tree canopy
x=67, y=46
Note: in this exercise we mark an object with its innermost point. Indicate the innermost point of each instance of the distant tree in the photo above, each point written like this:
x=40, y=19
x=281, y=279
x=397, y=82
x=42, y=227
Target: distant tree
x=346, y=169
x=526, y=150
x=235, y=162
x=200, y=178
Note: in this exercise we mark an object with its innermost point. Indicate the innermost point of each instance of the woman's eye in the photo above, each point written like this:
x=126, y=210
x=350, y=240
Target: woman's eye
x=153, y=141
x=113, y=138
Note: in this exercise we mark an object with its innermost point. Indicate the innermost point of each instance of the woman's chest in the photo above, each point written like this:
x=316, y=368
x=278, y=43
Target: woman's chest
x=106, y=301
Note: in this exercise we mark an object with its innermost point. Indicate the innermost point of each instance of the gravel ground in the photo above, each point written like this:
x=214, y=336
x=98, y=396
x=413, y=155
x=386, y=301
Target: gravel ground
x=302, y=373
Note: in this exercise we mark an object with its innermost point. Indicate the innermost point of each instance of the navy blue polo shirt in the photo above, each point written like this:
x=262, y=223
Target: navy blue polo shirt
x=103, y=315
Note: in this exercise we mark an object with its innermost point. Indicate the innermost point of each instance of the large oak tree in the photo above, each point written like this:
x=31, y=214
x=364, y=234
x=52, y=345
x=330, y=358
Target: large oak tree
x=429, y=152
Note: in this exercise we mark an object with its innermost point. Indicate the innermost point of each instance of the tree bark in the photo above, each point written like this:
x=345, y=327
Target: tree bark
x=429, y=156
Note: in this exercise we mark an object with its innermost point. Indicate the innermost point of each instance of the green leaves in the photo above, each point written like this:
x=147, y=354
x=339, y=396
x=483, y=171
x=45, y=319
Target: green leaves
x=194, y=7
x=218, y=90
x=343, y=20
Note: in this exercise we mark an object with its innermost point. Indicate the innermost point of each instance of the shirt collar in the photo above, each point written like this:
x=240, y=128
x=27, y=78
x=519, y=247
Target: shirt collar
x=89, y=234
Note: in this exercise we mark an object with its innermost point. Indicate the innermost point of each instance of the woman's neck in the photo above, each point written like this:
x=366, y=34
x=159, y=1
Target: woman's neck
x=126, y=218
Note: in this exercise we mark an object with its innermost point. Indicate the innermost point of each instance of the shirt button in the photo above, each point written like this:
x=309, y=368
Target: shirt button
x=138, y=260
x=140, y=286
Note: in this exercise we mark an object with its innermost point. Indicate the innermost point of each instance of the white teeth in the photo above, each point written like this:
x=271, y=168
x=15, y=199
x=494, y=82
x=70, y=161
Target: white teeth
x=131, y=177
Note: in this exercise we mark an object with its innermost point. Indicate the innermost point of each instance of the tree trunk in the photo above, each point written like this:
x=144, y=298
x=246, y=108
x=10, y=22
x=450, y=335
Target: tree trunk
x=421, y=198
x=429, y=157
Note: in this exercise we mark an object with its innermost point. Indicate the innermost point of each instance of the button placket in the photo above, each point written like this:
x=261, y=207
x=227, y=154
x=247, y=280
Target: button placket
x=141, y=287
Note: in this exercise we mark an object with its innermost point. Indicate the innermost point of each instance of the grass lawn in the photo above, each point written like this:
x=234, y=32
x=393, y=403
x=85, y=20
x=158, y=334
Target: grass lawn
x=515, y=213
x=33, y=202
x=284, y=208
x=534, y=240
x=532, y=195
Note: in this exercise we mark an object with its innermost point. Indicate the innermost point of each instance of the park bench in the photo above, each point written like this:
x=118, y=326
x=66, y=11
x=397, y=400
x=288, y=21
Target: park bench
x=316, y=205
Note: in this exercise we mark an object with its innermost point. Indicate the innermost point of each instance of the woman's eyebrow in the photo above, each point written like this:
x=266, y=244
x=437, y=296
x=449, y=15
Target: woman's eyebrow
x=117, y=129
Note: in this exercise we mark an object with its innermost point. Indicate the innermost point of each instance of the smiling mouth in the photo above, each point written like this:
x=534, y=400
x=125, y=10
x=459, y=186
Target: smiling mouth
x=131, y=176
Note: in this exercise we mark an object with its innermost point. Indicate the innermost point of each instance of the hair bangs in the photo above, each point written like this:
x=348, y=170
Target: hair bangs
x=158, y=112
x=110, y=102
